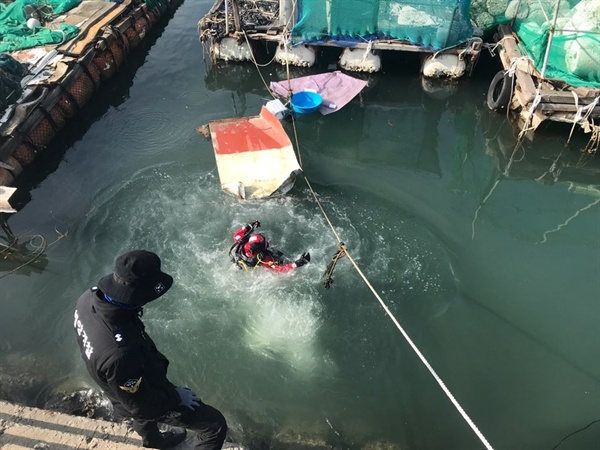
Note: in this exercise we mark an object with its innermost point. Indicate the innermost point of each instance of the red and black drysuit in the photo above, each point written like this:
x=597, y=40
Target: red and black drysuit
x=252, y=250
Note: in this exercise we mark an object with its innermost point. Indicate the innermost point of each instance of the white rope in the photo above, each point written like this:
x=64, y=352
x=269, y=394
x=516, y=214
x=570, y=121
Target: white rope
x=367, y=51
x=513, y=67
x=515, y=61
x=389, y=313
x=588, y=108
x=492, y=48
x=532, y=108
x=579, y=117
x=543, y=10
x=422, y=358
x=489, y=194
x=387, y=310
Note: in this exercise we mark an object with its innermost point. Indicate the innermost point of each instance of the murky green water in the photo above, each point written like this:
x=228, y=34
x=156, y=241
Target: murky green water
x=490, y=264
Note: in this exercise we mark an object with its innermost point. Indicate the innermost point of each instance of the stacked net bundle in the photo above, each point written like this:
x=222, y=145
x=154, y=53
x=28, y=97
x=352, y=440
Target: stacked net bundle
x=11, y=74
x=436, y=24
x=574, y=55
x=16, y=33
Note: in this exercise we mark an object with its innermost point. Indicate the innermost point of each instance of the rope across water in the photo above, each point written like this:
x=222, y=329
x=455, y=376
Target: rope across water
x=343, y=251
x=390, y=314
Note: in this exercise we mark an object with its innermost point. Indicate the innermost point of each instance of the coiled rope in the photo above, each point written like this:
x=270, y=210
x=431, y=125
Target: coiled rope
x=331, y=266
x=39, y=249
x=13, y=245
x=343, y=251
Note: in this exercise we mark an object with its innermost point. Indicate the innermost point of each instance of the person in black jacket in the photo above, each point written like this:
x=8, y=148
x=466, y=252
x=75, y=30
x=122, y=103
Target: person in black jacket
x=124, y=361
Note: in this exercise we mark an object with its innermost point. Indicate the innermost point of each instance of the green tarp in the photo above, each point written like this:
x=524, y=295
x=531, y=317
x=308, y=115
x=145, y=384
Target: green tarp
x=430, y=23
x=574, y=50
x=11, y=73
x=16, y=35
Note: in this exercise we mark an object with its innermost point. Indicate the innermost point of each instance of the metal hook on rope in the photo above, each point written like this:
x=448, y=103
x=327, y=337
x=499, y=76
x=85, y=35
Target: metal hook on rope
x=341, y=252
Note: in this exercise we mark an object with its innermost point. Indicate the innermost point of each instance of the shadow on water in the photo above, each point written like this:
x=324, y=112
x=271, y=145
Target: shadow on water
x=401, y=170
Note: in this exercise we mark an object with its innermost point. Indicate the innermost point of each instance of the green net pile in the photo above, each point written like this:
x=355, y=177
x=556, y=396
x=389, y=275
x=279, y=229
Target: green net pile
x=11, y=74
x=15, y=34
x=430, y=23
x=574, y=55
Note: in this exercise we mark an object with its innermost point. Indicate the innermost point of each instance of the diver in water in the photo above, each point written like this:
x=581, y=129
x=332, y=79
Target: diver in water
x=251, y=250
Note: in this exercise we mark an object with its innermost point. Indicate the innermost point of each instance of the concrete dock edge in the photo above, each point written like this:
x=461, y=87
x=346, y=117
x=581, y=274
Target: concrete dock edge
x=22, y=427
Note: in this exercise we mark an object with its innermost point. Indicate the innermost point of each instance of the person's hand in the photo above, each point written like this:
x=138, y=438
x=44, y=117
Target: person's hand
x=304, y=259
x=189, y=399
x=255, y=224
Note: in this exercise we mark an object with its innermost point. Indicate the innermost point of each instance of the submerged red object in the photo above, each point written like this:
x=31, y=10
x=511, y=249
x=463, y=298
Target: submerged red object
x=254, y=156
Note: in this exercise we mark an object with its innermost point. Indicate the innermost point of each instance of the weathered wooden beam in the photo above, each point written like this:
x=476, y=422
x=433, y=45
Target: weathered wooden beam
x=236, y=15
x=564, y=107
x=525, y=87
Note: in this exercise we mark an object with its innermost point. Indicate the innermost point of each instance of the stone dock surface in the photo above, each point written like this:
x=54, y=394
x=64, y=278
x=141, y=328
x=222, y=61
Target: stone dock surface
x=22, y=427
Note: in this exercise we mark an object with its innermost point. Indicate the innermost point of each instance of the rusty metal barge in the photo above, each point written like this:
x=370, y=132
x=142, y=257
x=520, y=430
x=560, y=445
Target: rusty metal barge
x=61, y=78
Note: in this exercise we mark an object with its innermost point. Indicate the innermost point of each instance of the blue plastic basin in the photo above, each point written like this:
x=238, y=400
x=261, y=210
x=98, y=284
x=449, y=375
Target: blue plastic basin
x=305, y=102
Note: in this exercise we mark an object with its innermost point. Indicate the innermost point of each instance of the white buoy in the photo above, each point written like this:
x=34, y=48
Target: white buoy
x=298, y=56
x=360, y=60
x=230, y=49
x=444, y=66
x=32, y=22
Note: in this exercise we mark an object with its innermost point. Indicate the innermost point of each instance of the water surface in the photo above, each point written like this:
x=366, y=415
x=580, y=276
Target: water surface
x=488, y=258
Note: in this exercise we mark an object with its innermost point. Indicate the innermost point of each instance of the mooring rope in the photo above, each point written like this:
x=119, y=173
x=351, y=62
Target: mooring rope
x=331, y=266
x=526, y=128
x=343, y=251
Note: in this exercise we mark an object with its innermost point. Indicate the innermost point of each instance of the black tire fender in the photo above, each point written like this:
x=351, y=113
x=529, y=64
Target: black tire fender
x=500, y=91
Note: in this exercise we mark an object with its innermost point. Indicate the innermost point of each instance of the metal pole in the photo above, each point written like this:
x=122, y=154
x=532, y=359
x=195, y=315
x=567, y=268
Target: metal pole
x=226, y=17
x=550, y=36
x=287, y=9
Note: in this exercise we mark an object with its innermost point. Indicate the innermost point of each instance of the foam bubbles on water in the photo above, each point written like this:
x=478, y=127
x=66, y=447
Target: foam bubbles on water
x=283, y=324
x=276, y=316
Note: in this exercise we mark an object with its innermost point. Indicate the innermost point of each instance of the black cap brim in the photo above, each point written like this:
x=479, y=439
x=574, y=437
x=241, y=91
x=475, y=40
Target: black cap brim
x=137, y=294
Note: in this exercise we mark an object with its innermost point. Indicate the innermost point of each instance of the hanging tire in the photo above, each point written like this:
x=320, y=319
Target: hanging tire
x=500, y=91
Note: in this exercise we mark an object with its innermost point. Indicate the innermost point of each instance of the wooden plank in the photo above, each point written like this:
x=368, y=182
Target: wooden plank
x=92, y=32
x=564, y=107
x=526, y=71
x=553, y=96
x=511, y=51
x=103, y=9
x=236, y=16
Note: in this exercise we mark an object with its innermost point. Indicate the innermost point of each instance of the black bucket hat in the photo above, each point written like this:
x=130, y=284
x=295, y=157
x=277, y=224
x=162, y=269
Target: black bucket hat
x=137, y=279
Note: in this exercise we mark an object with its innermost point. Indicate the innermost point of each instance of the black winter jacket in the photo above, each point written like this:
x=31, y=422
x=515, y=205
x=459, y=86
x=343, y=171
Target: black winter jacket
x=123, y=359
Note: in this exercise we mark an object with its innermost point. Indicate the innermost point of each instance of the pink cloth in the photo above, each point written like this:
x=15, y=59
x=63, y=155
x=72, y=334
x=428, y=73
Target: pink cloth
x=334, y=87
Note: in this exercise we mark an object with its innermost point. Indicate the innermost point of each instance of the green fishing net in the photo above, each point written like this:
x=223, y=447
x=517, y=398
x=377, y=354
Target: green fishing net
x=15, y=34
x=574, y=50
x=431, y=23
x=11, y=73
